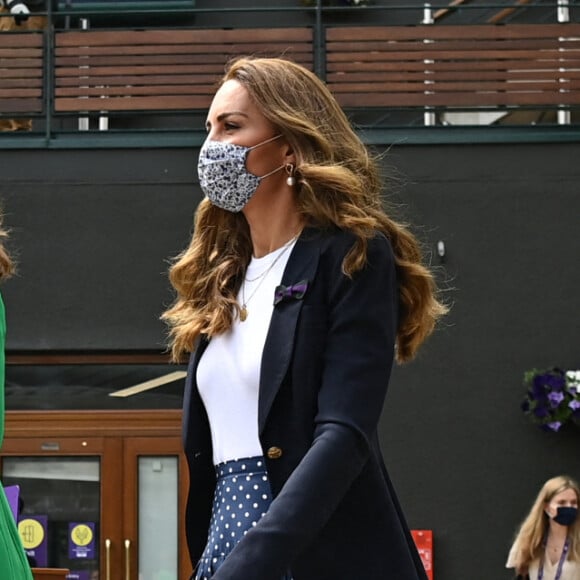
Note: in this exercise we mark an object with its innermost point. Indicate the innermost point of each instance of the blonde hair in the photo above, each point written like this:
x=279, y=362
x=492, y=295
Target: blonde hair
x=6, y=263
x=338, y=185
x=532, y=531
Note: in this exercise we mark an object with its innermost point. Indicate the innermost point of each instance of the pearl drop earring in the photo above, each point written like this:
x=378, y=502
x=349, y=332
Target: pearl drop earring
x=290, y=180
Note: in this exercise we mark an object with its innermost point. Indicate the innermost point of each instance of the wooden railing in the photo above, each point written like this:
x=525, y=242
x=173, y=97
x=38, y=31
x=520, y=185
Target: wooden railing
x=21, y=72
x=159, y=70
x=374, y=66
x=472, y=66
x=435, y=67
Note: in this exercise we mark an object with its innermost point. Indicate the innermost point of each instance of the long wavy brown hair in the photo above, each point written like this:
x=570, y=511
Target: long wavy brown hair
x=533, y=529
x=338, y=185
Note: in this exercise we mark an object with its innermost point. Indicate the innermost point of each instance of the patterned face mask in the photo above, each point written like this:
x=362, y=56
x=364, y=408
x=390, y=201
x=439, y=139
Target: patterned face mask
x=223, y=176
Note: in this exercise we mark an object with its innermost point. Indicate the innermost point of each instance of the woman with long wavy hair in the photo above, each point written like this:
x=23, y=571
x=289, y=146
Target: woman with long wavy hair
x=295, y=295
x=13, y=562
x=547, y=544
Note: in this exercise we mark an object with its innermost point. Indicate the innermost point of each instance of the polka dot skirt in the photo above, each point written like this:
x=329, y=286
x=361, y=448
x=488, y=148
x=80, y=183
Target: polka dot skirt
x=242, y=496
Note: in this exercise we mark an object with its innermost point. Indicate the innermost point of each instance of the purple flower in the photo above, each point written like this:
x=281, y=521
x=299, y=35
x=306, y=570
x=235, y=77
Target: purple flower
x=540, y=411
x=555, y=398
x=538, y=390
x=549, y=401
x=556, y=382
x=555, y=379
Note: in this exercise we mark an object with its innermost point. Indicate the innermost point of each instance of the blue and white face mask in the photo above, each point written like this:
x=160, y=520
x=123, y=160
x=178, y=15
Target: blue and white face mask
x=223, y=175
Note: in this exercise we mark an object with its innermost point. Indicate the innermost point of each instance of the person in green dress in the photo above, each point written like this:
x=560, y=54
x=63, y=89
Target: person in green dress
x=13, y=562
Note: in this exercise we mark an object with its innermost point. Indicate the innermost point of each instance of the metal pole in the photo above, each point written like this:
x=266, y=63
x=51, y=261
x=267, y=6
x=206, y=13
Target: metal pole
x=429, y=115
x=84, y=121
x=564, y=113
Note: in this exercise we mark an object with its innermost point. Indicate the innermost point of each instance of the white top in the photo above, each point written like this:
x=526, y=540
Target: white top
x=228, y=375
x=570, y=570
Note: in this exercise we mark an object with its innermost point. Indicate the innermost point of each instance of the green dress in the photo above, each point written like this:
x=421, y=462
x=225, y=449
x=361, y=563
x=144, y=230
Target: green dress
x=13, y=562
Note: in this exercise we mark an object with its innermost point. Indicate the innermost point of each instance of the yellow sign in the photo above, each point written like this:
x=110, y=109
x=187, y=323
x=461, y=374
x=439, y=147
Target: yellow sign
x=31, y=533
x=81, y=535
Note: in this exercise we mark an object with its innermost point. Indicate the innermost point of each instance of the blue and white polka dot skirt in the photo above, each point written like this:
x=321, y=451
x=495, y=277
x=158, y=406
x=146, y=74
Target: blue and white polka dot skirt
x=242, y=496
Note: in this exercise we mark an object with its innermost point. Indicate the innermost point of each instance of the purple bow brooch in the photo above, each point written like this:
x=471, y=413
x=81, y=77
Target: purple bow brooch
x=295, y=291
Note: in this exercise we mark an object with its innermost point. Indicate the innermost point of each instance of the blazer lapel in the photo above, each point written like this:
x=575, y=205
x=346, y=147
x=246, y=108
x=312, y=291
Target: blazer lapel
x=278, y=347
x=193, y=430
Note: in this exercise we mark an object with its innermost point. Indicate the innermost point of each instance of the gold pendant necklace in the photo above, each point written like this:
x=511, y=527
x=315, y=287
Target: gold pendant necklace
x=261, y=278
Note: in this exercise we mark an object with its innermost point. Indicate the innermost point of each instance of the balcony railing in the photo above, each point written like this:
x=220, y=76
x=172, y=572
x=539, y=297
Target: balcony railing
x=77, y=68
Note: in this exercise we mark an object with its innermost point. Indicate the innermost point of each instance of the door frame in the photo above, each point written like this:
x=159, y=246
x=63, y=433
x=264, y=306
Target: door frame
x=111, y=435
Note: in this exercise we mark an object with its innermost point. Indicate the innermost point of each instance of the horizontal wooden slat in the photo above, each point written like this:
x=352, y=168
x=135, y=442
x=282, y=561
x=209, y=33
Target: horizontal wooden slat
x=455, y=55
x=162, y=57
x=20, y=63
x=505, y=65
x=456, y=100
x=103, y=92
x=387, y=45
x=24, y=73
x=143, y=71
x=20, y=105
x=121, y=38
x=10, y=53
x=452, y=87
x=459, y=75
x=153, y=66
x=468, y=31
x=20, y=82
x=194, y=80
x=21, y=92
x=13, y=40
x=183, y=103
x=282, y=46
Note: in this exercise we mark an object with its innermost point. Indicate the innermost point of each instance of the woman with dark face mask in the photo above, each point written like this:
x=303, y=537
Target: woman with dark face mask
x=547, y=545
x=295, y=295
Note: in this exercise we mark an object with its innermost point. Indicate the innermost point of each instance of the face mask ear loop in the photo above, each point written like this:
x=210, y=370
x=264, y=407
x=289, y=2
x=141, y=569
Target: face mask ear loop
x=273, y=171
x=259, y=145
x=265, y=142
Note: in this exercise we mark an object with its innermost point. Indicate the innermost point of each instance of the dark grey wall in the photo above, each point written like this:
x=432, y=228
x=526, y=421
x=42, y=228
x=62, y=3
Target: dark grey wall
x=464, y=458
x=93, y=230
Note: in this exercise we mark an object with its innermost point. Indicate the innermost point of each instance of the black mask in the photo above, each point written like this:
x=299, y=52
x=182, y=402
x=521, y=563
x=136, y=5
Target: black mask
x=566, y=516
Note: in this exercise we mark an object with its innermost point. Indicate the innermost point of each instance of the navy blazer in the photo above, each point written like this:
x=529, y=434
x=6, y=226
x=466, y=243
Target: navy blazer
x=325, y=370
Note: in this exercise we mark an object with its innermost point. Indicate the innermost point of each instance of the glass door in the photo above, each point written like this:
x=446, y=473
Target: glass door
x=60, y=488
x=154, y=471
x=59, y=519
x=108, y=506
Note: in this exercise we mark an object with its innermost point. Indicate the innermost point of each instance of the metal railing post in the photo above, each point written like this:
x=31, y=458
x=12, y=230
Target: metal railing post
x=84, y=121
x=564, y=113
x=429, y=115
x=319, y=52
x=48, y=73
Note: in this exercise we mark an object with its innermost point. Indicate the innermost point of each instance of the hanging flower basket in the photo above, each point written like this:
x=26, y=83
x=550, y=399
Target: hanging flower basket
x=552, y=398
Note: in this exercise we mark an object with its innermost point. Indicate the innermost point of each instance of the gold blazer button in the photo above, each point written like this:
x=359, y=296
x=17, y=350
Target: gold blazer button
x=274, y=453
